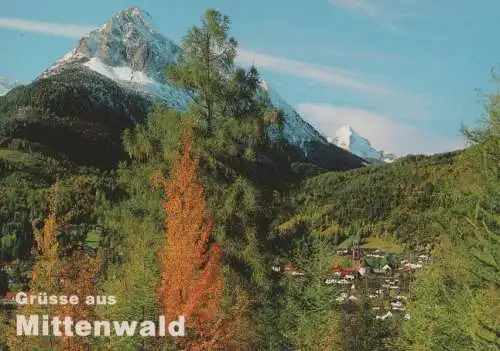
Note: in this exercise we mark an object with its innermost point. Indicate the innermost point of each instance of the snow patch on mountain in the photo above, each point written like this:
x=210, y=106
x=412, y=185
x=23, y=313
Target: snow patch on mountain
x=121, y=73
x=129, y=50
x=348, y=139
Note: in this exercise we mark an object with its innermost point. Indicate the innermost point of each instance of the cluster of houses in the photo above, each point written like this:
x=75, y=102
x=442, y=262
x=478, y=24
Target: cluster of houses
x=288, y=270
x=384, y=285
x=357, y=269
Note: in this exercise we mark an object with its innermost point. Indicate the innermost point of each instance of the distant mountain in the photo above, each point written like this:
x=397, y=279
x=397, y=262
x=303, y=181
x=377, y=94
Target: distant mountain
x=7, y=85
x=115, y=74
x=130, y=51
x=296, y=130
x=348, y=139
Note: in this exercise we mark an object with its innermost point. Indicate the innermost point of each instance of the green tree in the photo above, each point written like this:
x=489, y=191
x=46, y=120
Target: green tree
x=208, y=56
x=455, y=304
x=227, y=102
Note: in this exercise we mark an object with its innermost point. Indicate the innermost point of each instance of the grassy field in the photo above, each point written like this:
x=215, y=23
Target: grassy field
x=383, y=244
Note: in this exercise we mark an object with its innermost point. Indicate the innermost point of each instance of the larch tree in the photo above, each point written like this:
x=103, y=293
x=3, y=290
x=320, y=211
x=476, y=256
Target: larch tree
x=191, y=283
x=45, y=275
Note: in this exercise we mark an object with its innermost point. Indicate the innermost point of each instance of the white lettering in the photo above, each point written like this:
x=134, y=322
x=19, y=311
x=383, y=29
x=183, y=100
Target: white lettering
x=22, y=298
x=73, y=299
x=147, y=329
x=27, y=327
x=98, y=325
x=161, y=327
x=83, y=328
x=176, y=328
x=124, y=327
x=56, y=326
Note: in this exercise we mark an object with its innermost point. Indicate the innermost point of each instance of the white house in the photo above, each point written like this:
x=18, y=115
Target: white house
x=385, y=316
x=414, y=266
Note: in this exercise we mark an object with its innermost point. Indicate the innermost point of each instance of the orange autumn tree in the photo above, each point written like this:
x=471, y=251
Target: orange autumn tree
x=191, y=282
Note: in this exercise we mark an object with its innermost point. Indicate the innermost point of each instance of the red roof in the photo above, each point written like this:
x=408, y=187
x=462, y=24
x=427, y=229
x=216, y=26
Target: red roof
x=9, y=295
x=343, y=272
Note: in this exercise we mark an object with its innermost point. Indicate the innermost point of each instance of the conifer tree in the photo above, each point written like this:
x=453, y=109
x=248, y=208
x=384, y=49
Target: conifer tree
x=208, y=54
x=191, y=283
x=45, y=275
x=223, y=97
x=78, y=277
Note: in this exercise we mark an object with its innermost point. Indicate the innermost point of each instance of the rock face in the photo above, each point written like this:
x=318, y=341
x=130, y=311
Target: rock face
x=128, y=39
x=130, y=51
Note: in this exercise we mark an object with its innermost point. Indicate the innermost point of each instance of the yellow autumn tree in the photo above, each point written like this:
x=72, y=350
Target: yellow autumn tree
x=45, y=277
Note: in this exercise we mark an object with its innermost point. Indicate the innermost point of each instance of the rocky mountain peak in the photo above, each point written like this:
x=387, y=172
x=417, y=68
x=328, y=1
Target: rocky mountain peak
x=130, y=51
x=128, y=39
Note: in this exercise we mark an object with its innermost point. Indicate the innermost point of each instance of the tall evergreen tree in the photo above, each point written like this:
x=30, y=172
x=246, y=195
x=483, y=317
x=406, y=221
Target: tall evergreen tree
x=220, y=92
x=208, y=58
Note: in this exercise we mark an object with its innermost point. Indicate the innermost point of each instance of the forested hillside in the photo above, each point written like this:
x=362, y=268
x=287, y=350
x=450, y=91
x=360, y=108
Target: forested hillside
x=187, y=212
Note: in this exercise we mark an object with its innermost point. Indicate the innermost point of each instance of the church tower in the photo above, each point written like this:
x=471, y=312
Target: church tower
x=356, y=255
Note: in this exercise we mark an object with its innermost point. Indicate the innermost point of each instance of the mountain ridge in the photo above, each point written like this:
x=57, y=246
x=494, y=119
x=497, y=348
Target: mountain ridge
x=129, y=50
x=111, y=81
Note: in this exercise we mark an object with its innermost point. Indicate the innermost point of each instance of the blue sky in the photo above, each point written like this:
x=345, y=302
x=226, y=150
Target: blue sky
x=403, y=73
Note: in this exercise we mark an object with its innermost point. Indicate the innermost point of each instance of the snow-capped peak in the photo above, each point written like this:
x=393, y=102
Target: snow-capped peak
x=7, y=85
x=129, y=50
x=346, y=136
x=128, y=39
x=350, y=140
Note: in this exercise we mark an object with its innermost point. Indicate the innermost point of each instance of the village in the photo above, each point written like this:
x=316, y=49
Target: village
x=382, y=277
